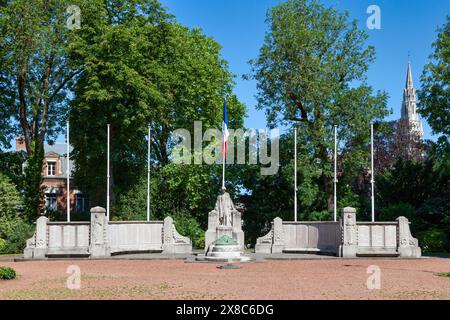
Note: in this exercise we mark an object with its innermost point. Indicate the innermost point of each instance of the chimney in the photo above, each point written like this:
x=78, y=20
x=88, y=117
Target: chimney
x=20, y=144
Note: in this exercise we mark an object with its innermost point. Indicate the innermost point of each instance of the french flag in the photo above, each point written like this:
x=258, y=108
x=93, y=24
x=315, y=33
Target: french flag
x=225, y=132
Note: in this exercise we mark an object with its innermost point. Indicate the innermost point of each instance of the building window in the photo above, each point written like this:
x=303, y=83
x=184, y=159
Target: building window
x=51, y=168
x=81, y=203
x=50, y=202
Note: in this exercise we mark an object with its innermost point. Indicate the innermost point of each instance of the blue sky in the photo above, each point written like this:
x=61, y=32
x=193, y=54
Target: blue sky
x=239, y=26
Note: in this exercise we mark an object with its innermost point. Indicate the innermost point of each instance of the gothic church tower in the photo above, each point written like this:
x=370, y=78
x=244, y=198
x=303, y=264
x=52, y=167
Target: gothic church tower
x=409, y=114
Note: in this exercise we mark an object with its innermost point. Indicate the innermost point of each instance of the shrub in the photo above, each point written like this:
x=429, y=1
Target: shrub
x=189, y=227
x=392, y=212
x=9, y=202
x=16, y=236
x=2, y=244
x=9, y=198
x=7, y=273
x=433, y=240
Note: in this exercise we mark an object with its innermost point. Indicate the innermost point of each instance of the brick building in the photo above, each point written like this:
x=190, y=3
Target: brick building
x=54, y=172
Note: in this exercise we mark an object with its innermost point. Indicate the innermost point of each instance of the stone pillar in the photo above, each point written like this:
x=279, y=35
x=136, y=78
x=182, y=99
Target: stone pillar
x=40, y=250
x=99, y=246
x=349, y=231
x=407, y=246
x=168, y=241
x=238, y=234
x=278, y=243
x=211, y=233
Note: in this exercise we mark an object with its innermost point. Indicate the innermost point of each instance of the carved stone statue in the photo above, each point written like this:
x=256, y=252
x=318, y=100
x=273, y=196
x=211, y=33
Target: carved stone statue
x=225, y=219
x=225, y=208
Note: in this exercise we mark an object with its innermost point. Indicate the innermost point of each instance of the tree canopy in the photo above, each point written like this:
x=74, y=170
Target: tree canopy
x=140, y=72
x=434, y=95
x=311, y=74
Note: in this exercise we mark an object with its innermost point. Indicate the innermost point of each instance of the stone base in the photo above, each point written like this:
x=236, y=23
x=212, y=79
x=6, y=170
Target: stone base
x=222, y=259
x=225, y=248
x=224, y=231
x=211, y=236
x=268, y=248
x=410, y=252
x=179, y=248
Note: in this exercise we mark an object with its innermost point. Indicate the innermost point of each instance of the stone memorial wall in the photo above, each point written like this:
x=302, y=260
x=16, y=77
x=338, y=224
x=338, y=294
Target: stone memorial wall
x=100, y=238
x=347, y=238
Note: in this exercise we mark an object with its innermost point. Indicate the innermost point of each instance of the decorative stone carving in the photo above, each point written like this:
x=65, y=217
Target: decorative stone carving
x=407, y=246
x=36, y=246
x=99, y=247
x=267, y=239
x=272, y=242
x=173, y=242
x=30, y=247
x=225, y=219
x=349, y=246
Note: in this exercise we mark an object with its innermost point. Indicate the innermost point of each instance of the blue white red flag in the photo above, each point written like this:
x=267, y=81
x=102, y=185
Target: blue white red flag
x=225, y=132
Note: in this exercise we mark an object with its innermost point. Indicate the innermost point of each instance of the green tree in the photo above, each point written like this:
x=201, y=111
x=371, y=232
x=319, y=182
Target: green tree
x=9, y=199
x=155, y=71
x=13, y=229
x=42, y=58
x=434, y=95
x=177, y=191
x=40, y=62
x=419, y=191
x=311, y=72
x=11, y=166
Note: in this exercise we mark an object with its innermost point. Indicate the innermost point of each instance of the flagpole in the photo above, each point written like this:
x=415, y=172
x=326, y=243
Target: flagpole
x=68, y=175
x=107, y=175
x=223, y=146
x=223, y=168
x=148, y=174
x=335, y=173
x=295, y=174
x=372, y=180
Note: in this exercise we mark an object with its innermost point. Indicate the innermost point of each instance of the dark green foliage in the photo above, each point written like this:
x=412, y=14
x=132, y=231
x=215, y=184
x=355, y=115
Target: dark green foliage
x=33, y=189
x=11, y=166
x=9, y=200
x=14, y=230
x=434, y=96
x=311, y=74
x=176, y=191
x=132, y=65
x=409, y=182
x=394, y=211
x=158, y=73
x=189, y=227
x=2, y=245
x=16, y=235
x=7, y=273
x=434, y=240
x=420, y=192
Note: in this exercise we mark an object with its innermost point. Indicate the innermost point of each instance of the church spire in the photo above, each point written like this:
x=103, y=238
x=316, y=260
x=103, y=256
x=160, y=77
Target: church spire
x=409, y=105
x=409, y=80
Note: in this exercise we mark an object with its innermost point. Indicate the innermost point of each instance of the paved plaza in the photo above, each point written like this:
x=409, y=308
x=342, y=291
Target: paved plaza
x=288, y=277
